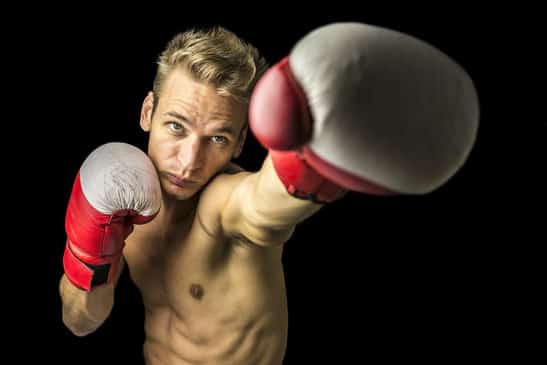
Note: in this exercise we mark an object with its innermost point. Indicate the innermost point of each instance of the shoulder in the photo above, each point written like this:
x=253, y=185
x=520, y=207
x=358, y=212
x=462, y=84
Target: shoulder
x=214, y=197
x=219, y=189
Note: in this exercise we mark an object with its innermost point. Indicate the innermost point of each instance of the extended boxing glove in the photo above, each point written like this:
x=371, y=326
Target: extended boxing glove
x=117, y=186
x=367, y=109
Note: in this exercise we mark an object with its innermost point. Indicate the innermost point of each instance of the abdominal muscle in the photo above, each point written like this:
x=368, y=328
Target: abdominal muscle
x=170, y=341
x=237, y=314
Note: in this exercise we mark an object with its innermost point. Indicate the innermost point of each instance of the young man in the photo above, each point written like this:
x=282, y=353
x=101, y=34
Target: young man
x=203, y=241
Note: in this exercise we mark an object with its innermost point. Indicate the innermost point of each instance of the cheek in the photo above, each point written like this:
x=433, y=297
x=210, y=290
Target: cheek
x=221, y=159
x=160, y=148
x=218, y=159
x=160, y=142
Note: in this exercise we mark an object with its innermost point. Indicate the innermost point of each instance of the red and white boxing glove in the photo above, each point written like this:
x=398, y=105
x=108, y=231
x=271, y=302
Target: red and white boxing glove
x=117, y=186
x=367, y=109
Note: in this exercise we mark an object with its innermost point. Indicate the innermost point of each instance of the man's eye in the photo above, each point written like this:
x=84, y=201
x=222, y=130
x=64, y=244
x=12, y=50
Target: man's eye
x=175, y=127
x=219, y=139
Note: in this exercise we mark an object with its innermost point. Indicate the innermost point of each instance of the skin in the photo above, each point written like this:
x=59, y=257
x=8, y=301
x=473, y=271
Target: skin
x=209, y=265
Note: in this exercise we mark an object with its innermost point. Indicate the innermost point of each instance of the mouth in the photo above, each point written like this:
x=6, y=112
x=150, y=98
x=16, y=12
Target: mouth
x=180, y=182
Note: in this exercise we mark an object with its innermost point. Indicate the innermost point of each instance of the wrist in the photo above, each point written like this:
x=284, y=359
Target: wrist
x=87, y=272
x=301, y=180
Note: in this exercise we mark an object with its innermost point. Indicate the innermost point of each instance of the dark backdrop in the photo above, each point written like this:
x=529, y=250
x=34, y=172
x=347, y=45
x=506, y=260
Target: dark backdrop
x=406, y=278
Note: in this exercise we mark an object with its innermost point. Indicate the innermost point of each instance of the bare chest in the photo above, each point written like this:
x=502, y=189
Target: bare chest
x=200, y=275
x=154, y=256
x=208, y=298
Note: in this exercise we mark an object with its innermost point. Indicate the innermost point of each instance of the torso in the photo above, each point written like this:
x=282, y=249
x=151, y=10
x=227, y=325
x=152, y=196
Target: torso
x=208, y=299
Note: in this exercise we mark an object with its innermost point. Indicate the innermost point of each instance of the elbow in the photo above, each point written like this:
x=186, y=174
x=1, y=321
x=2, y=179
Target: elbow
x=82, y=324
x=84, y=312
x=78, y=329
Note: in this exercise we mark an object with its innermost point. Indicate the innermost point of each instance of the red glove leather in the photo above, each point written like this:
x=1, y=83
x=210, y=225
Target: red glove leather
x=363, y=108
x=116, y=187
x=280, y=118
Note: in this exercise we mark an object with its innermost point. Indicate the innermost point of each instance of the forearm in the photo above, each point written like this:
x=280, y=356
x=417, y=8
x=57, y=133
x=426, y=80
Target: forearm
x=85, y=311
x=270, y=203
x=97, y=221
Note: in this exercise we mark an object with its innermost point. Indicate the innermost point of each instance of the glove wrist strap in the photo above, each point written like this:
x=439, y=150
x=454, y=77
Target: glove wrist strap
x=87, y=276
x=301, y=180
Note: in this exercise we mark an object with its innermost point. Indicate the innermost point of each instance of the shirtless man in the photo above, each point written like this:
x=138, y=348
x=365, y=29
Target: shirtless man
x=203, y=240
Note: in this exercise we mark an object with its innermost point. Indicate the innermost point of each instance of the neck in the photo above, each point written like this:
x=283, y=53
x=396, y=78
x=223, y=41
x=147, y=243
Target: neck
x=175, y=211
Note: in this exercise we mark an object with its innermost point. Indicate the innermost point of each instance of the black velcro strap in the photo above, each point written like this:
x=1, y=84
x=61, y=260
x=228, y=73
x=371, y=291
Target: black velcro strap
x=100, y=273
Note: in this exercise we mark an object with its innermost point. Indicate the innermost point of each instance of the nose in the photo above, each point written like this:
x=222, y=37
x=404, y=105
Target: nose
x=191, y=156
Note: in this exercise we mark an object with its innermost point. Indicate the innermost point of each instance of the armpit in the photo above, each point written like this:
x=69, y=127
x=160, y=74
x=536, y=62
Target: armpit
x=207, y=228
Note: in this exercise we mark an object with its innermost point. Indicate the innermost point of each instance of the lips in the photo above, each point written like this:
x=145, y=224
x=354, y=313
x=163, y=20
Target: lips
x=180, y=182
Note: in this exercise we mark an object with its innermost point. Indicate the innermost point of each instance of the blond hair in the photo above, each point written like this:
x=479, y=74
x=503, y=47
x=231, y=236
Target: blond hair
x=215, y=56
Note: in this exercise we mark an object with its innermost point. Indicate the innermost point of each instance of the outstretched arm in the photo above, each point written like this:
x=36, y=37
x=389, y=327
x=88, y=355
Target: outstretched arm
x=259, y=208
x=269, y=202
x=353, y=107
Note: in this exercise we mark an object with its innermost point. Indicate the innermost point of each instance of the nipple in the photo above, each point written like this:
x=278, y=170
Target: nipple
x=196, y=291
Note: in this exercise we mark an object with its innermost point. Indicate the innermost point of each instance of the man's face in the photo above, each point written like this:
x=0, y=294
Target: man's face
x=193, y=133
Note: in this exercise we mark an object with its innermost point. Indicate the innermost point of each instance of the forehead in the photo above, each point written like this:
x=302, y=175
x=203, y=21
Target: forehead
x=199, y=100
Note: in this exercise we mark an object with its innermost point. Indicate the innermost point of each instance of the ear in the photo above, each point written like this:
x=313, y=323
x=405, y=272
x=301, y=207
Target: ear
x=241, y=141
x=146, y=112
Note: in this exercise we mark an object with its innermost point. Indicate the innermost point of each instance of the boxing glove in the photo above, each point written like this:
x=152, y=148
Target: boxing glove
x=364, y=108
x=116, y=187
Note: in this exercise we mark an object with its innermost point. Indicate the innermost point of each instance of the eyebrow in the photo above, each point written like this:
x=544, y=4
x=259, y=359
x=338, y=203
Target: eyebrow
x=222, y=129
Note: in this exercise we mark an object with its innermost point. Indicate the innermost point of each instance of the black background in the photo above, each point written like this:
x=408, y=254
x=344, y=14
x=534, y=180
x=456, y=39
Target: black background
x=430, y=278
